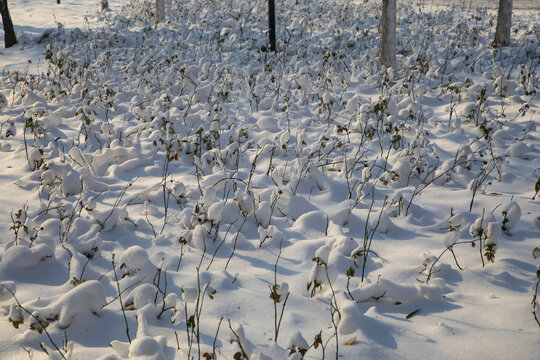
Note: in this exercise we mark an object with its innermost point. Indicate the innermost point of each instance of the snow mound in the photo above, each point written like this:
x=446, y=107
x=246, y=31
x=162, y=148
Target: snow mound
x=86, y=297
x=311, y=222
x=22, y=257
x=133, y=259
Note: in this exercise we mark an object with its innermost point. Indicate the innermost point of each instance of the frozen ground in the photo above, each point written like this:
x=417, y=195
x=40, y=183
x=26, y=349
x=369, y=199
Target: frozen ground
x=177, y=192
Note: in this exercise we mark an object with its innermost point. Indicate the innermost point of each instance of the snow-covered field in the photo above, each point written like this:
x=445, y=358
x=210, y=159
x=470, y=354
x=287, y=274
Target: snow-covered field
x=177, y=193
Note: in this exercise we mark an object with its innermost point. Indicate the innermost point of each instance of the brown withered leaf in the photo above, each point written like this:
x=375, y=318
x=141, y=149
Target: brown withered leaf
x=351, y=341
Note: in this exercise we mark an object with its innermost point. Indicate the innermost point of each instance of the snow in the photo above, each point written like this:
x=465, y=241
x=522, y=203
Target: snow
x=173, y=191
x=298, y=341
x=7, y=288
x=71, y=184
x=143, y=346
x=22, y=257
x=133, y=259
x=517, y=150
x=86, y=297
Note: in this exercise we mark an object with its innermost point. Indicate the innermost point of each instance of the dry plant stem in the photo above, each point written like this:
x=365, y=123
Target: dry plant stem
x=252, y=171
x=235, y=241
x=198, y=310
x=220, y=244
x=165, y=191
x=43, y=326
x=450, y=248
x=480, y=239
x=281, y=315
x=181, y=256
x=333, y=305
x=156, y=282
x=78, y=205
x=348, y=288
x=481, y=178
x=84, y=268
x=123, y=291
x=369, y=234
x=188, y=324
x=195, y=324
x=277, y=323
x=65, y=342
x=177, y=341
x=120, y=299
x=239, y=342
x=215, y=338
x=202, y=255
x=117, y=202
x=148, y=220
x=29, y=352
x=335, y=325
x=26, y=147
x=326, y=345
x=534, y=302
x=418, y=189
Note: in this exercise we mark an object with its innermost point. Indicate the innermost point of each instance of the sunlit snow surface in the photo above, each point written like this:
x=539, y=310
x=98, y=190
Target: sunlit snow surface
x=174, y=192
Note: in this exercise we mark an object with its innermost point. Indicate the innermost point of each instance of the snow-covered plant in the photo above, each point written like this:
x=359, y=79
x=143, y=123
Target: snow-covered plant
x=488, y=231
x=492, y=234
x=535, y=305
x=238, y=336
x=485, y=231
x=120, y=298
x=297, y=343
x=89, y=296
x=195, y=297
x=478, y=181
x=511, y=213
x=278, y=293
x=23, y=227
x=232, y=146
x=536, y=188
x=169, y=300
x=323, y=273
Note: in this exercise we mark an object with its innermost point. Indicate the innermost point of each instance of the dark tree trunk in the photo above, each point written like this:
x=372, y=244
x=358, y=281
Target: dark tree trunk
x=504, y=22
x=58, y=1
x=388, y=34
x=272, y=24
x=160, y=11
x=104, y=4
x=9, y=33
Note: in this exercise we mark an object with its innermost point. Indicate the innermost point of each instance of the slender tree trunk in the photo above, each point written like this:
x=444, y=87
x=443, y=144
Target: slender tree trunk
x=9, y=33
x=58, y=1
x=160, y=11
x=388, y=34
x=504, y=22
x=272, y=24
x=104, y=4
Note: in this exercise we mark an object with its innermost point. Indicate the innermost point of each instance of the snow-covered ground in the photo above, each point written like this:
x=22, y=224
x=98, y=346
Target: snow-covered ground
x=517, y=4
x=174, y=192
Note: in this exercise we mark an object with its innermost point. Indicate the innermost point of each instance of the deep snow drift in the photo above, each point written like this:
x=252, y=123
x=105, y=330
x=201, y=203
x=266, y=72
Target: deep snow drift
x=175, y=191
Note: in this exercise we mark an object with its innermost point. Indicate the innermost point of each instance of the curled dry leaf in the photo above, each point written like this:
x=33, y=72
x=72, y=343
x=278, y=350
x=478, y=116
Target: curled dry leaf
x=351, y=341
